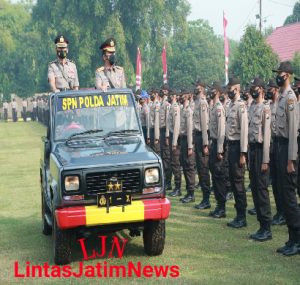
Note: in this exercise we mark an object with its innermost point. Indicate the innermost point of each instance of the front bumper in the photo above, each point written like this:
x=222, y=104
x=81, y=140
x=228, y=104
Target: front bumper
x=138, y=211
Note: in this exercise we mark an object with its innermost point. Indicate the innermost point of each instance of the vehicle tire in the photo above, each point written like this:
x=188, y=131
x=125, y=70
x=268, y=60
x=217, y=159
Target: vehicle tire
x=46, y=228
x=61, y=244
x=154, y=235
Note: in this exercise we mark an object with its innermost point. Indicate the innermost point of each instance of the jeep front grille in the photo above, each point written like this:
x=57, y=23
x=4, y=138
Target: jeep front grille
x=96, y=182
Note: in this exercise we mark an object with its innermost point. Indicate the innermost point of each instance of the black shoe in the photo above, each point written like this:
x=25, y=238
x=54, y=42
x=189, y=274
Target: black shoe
x=229, y=196
x=279, y=220
x=262, y=235
x=217, y=213
x=293, y=249
x=185, y=196
x=175, y=193
x=205, y=204
x=252, y=212
x=283, y=248
x=237, y=223
x=189, y=198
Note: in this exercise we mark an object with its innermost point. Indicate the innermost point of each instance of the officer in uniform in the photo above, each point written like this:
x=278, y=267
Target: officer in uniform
x=24, y=109
x=272, y=96
x=237, y=139
x=216, y=156
x=286, y=149
x=259, y=137
x=34, y=109
x=14, y=108
x=296, y=88
x=172, y=134
x=201, y=120
x=144, y=114
x=154, y=121
x=186, y=147
x=5, y=110
x=164, y=147
x=62, y=72
x=110, y=75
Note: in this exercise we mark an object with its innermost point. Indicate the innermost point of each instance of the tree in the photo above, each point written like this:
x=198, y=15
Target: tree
x=295, y=17
x=254, y=57
x=199, y=55
x=296, y=64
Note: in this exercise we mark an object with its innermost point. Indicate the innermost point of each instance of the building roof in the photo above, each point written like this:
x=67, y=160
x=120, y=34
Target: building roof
x=285, y=41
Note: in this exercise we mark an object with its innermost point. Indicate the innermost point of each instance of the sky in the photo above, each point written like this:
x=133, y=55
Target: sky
x=240, y=13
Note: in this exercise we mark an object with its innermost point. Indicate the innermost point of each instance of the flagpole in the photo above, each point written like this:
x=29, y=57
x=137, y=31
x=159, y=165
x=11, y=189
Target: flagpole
x=226, y=47
x=138, y=76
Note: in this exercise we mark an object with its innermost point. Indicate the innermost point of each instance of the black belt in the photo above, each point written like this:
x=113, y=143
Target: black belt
x=63, y=89
x=237, y=142
x=163, y=129
x=196, y=132
x=281, y=140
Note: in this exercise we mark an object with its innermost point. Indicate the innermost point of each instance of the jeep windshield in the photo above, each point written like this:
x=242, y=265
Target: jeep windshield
x=97, y=115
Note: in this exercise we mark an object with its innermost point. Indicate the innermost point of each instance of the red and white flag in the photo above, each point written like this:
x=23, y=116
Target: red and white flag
x=164, y=64
x=226, y=47
x=138, y=77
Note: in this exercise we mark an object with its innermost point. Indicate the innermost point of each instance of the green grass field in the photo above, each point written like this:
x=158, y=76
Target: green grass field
x=206, y=251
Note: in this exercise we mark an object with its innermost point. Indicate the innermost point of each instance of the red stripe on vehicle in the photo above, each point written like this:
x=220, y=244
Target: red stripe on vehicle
x=157, y=209
x=70, y=217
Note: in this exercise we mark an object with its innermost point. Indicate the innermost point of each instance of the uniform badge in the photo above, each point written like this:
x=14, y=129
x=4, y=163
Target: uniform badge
x=291, y=104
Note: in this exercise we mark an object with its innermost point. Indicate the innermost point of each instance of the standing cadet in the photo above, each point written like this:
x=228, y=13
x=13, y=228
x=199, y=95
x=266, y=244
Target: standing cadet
x=272, y=95
x=216, y=156
x=296, y=89
x=110, y=75
x=286, y=156
x=34, y=109
x=24, y=109
x=62, y=72
x=154, y=121
x=14, y=109
x=144, y=114
x=259, y=137
x=237, y=139
x=5, y=110
x=172, y=133
x=164, y=147
x=187, y=154
x=200, y=120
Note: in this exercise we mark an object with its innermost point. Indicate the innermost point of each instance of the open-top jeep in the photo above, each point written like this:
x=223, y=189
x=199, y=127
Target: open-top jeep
x=97, y=174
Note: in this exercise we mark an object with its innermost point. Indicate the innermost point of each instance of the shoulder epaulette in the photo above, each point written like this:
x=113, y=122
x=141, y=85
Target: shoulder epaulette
x=101, y=68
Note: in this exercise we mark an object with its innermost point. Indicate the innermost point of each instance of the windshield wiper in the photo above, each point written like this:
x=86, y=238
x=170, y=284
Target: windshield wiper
x=84, y=133
x=122, y=132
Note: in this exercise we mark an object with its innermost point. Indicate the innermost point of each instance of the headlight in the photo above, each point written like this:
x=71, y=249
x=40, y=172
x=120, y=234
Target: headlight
x=152, y=175
x=72, y=183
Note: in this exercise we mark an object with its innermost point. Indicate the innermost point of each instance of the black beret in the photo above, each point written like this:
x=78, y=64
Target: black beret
x=61, y=41
x=257, y=82
x=272, y=84
x=216, y=85
x=233, y=81
x=284, y=66
x=109, y=45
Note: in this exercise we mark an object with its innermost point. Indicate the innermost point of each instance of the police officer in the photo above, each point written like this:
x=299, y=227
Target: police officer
x=164, y=147
x=62, y=72
x=14, y=109
x=172, y=133
x=187, y=154
x=154, y=121
x=237, y=139
x=286, y=156
x=200, y=119
x=296, y=88
x=5, y=110
x=144, y=114
x=272, y=96
x=259, y=137
x=110, y=75
x=216, y=156
x=24, y=109
x=34, y=109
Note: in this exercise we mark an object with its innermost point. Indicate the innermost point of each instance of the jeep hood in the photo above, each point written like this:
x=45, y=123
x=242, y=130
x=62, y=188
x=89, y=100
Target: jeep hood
x=104, y=152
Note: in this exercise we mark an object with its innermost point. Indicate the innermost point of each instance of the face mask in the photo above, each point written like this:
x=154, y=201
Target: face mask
x=169, y=99
x=112, y=59
x=181, y=101
x=212, y=95
x=222, y=98
x=269, y=95
x=62, y=54
x=280, y=80
x=245, y=97
x=298, y=90
x=161, y=94
x=196, y=91
x=231, y=94
x=255, y=94
x=152, y=97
